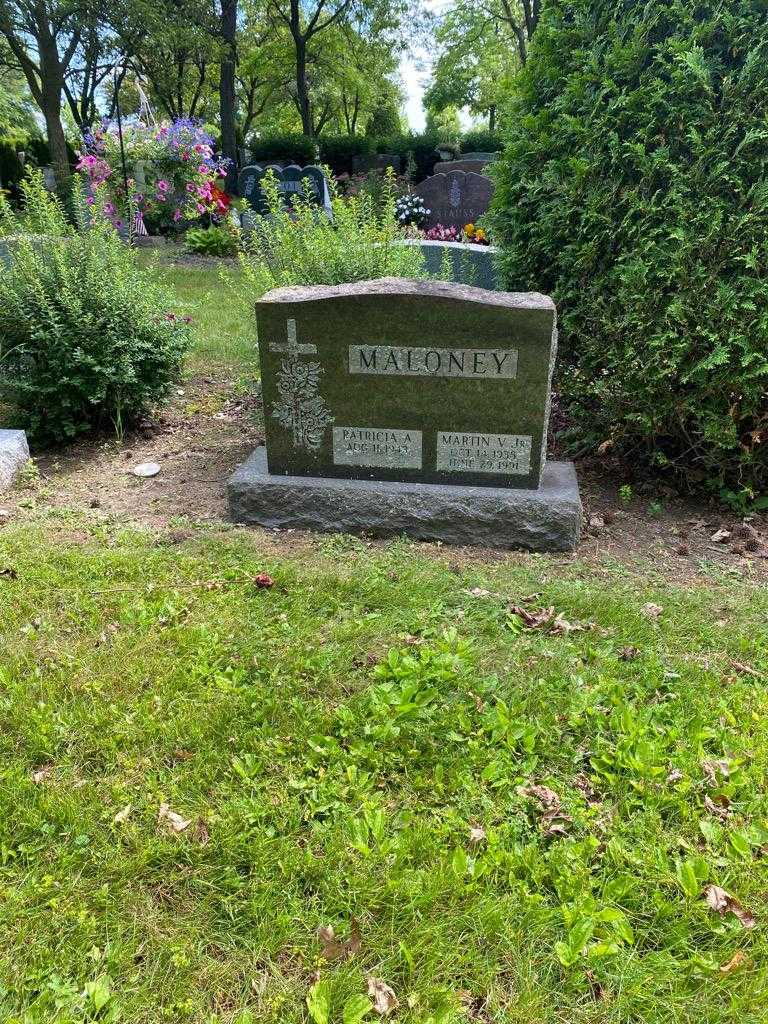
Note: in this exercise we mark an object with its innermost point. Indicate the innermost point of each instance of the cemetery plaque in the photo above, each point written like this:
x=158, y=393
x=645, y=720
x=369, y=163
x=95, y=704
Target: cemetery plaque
x=456, y=198
x=407, y=380
x=417, y=407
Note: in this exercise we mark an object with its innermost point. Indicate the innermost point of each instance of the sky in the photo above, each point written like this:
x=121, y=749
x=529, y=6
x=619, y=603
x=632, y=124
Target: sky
x=414, y=71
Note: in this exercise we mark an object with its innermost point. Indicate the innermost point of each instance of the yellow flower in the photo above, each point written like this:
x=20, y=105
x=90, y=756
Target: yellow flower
x=480, y=234
x=469, y=229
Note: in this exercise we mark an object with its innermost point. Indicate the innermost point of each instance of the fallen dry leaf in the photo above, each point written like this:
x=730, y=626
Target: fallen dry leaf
x=712, y=769
x=651, y=610
x=596, y=987
x=122, y=816
x=552, y=818
x=41, y=774
x=628, y=653
x=721, y=536
x=172, y=820
x=747, y=670
x=738, y=958
x=537, y=618
x=333, y=948
x=718, y=807
x=476, y=834
x=674, y=776
x=263, y=580
x=384, y=998
x=480, y=592
x=723, y=903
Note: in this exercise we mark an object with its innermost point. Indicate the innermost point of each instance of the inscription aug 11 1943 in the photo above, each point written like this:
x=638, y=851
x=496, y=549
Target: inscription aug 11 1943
x=386, y=448
x=417, y=361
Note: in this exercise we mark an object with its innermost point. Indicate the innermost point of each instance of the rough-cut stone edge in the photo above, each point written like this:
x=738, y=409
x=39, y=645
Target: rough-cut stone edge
x=14, y=454
x=409, y=286
x=466, y=257
x=546, y=519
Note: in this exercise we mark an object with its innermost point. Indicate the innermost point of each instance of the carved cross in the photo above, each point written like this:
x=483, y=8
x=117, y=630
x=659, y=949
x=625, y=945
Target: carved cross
x=292, y=346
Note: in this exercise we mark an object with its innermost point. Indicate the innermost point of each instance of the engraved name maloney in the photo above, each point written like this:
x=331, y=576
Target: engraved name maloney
x=488, y=363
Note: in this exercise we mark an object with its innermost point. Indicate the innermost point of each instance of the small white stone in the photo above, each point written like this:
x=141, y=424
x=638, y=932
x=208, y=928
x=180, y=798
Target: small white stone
x=146, y=469
x=5, y=515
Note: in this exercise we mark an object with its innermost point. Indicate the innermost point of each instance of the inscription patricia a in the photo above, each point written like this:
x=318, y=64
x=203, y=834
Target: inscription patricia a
x=381, y=447
x=458, y=452
x=485, y=363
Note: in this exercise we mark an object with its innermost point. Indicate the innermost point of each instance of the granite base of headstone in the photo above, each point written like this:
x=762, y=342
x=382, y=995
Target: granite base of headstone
x=409, y=407
x=14, y=455
x=545, y=519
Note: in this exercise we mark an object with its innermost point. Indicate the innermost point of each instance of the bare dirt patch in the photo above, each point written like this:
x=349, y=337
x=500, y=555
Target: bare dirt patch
x=209, y=428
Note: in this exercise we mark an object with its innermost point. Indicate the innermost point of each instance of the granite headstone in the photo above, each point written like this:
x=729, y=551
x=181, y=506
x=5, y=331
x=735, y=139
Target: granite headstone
x=456, y=198
x=409, y=406
x=292, y=180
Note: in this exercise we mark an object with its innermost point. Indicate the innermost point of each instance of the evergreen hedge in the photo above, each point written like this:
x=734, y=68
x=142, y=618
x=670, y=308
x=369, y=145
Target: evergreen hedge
x=634, y=189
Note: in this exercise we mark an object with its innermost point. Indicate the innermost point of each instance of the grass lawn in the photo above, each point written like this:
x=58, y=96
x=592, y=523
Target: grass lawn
x=224, y=327
x=198, y=773
x=225, y=803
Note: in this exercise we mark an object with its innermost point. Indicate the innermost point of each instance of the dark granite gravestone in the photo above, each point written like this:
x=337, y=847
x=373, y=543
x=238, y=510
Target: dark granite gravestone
x=377, y=162
x=456, y=198
x=431, y=394
x=464, y=163
x=291, y=182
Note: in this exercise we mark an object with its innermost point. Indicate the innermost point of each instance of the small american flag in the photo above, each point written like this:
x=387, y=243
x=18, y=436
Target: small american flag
x=139, y=227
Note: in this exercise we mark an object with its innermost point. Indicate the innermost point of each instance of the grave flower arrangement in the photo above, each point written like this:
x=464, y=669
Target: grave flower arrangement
x=173, y=172
x=410, y=209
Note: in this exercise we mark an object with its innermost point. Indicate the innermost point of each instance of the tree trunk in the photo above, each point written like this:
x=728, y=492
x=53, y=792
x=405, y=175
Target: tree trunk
x=227, y=94
x=51, y=89
x=56, y=140
x=302, y=89
x=492, y=118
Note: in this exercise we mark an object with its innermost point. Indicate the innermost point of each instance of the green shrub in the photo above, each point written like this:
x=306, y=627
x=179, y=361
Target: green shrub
x=305, y=247
x=635, y=189
x=481, y=141
x=212, y=241
x=421, y=147
x=294, y=148
x=339, y=151
x=86, y=339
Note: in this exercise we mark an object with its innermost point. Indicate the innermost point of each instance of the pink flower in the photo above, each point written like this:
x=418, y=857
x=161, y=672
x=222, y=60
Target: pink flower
x=200, y=208
x=202, y=169
x=109, y=209
x=190, y=187
x=177, y=215
x=163, y=185
x=90, y=200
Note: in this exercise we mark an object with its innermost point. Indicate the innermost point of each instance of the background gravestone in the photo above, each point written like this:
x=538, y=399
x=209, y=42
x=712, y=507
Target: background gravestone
x=456, y=198
x=378, y=162
x=291, y=181
x=475, y=162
